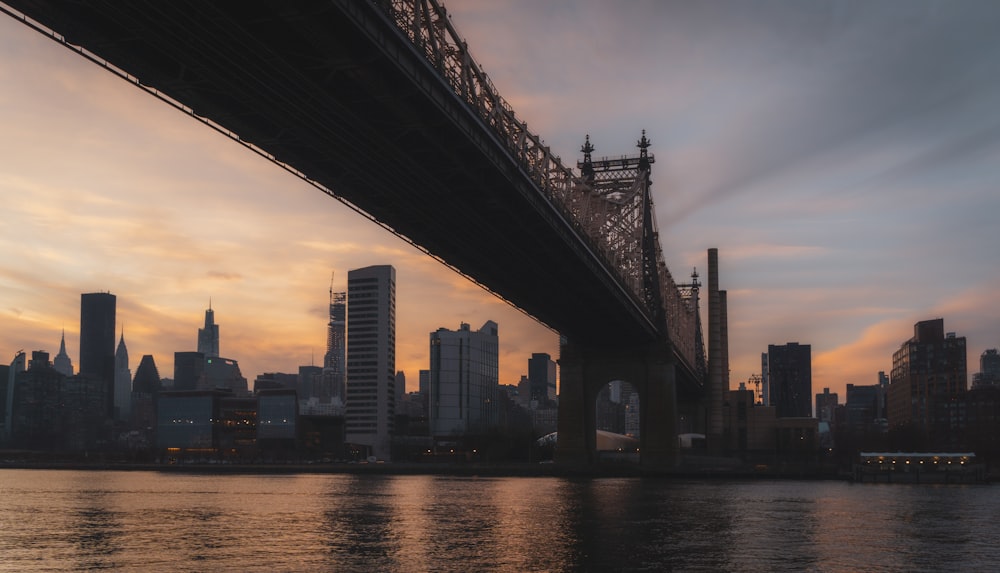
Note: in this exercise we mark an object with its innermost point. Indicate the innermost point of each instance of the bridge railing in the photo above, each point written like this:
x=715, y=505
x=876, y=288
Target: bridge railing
x=428, y=27
x=609, y=222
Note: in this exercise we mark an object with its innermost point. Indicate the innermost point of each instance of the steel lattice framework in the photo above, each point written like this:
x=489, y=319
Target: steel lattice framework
x=611, y=205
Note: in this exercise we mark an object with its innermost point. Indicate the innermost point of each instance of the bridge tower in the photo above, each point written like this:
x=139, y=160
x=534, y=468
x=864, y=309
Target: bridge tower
x=650, y=366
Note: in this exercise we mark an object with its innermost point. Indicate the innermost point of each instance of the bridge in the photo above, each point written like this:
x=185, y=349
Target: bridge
x=379, y=104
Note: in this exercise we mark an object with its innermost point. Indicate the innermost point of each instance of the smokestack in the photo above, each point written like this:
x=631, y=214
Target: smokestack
x=715, y=363
x=724, y=340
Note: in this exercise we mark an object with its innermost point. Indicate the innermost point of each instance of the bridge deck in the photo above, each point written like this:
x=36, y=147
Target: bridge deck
x=331, y=89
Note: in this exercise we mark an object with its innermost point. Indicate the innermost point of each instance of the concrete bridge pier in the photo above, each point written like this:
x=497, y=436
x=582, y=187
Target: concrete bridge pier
x=585, y=369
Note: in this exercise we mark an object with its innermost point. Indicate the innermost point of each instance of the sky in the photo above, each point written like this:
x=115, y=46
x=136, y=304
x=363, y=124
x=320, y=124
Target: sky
x=844, y=157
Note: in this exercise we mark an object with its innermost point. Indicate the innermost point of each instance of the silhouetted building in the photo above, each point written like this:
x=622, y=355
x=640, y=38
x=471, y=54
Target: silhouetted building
x=208, y=337
x=145, y=388
x=542, y=376
x=989, y=369
x=97, y=341
x=464, y=377
x=18, y=365
x=790, y=379
x=371, y=359
x=53, y=412
x=221, y=373
x=865, y=410
x=310, y=382
x=929, y=367
x=826, y=405
x=123, y=382
x=62, y=362
x=275, y=381
x=188, y=367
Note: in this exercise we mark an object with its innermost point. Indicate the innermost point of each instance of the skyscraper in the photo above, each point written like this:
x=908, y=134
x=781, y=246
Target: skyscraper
x=336, y=346
x=208, y=337
x=927, y=368
x=790, y=379
x=542, y=374
x=464, y=379
x=62, y=363
x=97, y=342
x=123, y=382
x=371, y=359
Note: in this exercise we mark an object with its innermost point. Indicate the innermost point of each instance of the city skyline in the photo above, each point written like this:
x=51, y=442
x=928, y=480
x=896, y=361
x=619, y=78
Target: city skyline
x=842, y=157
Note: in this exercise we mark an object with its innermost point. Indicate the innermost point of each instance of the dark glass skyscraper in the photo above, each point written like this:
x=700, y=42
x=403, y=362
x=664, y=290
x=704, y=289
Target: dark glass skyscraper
x=97, y=340
x=790, y=379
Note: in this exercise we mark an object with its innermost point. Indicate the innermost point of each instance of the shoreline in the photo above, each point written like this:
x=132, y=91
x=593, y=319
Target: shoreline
x=446, y=469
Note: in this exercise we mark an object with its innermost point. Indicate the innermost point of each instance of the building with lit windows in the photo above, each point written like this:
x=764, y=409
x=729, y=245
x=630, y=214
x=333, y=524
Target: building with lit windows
x=930, y=367
x=371, y=360
x=464, y=380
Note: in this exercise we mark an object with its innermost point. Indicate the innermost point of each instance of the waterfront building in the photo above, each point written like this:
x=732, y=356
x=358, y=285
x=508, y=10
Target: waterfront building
x=123, y=382
x=789, y=377
x=371, y=359
x=464, y=380
x=865, y=410
x=97, y=342
x=62, y=362
x=208, y=337
x=929, y=367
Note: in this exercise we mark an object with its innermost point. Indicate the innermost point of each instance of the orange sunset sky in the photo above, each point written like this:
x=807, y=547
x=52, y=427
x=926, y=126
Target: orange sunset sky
x=843, y=156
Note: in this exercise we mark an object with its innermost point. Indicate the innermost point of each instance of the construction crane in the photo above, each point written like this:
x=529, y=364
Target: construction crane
x=755, y=380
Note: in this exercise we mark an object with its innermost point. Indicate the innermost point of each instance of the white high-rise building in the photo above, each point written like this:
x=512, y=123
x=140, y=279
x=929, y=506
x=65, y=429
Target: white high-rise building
x=464, y=380
x=123, y=382
x=370, y=406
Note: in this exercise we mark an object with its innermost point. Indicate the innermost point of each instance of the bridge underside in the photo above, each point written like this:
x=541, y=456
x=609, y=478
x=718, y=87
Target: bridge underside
x=331, y=89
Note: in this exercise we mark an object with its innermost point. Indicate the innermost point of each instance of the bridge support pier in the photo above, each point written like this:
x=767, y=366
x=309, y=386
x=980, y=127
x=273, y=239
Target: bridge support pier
x=585, y=369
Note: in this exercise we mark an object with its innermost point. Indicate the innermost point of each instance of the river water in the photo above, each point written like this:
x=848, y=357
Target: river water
x=62, y=520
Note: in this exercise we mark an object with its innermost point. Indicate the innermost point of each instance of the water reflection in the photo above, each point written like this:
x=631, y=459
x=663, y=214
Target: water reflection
x=168, y=522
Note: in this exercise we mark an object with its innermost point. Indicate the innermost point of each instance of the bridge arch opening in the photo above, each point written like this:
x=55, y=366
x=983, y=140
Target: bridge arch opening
x=617, y=428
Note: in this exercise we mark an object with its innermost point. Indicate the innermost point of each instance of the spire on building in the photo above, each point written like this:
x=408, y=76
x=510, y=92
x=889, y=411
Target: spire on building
x=122, y=382
x=62, y=363
x=208, y=337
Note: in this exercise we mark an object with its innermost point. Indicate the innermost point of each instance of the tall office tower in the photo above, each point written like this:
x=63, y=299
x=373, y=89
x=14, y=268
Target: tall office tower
x=928, y=368
x=765, y=389
x=123, y=382
x=790, y=379
x=465, y=378
x=336, y=345
x=371, y=359
x=542, y=376
x=62, y=362
x=208, y=337
x=97, y=342
x=826, y=405
x=145, y=386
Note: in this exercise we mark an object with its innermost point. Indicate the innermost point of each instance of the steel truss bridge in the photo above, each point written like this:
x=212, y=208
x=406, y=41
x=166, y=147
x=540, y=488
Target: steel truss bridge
x=379, y=104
